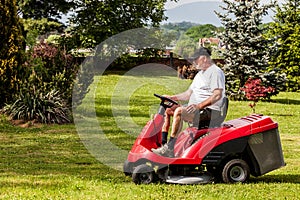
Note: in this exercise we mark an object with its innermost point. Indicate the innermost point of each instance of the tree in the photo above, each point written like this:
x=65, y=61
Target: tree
x=178, y=27
x=185, y=46
x=285, y=30
x=95, y=21
x=41, y=17
x=202, y=31
x=50, y=9
x=11, y=46
x=247, y=52
x=37, y=29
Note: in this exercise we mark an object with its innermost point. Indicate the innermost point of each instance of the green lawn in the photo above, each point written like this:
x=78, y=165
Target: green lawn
x=51, y=162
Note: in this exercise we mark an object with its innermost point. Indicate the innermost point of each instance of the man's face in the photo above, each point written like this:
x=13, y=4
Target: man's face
x=199, y=63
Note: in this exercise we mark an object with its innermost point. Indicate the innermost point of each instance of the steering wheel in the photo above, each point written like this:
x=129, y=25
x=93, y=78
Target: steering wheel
x=165, y=101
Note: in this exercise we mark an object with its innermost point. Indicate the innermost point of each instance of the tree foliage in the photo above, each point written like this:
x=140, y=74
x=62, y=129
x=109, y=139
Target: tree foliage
x=247, y=53
x=177, y=28
x=50, y=9
x=11, y=47
x=95, y=21
x=37, y=29
x=43, y=25
x=185, y=46
x=285, y=31
x=202, y=31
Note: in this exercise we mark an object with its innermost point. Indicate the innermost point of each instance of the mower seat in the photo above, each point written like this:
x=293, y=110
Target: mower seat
x=216, y=122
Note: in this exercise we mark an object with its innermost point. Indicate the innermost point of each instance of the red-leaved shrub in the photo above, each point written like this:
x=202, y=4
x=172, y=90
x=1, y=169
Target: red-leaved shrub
x=255, y=91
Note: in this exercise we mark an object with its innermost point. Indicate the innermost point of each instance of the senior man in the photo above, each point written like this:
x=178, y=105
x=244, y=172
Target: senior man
x=205, y=96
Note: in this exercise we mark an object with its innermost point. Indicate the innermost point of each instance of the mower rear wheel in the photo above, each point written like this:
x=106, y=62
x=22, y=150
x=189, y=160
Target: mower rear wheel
x=236, y=171
x=143, y=174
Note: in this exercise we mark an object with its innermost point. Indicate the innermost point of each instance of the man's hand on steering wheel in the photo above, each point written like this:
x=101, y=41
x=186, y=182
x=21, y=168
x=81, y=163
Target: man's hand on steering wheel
x=166, y=100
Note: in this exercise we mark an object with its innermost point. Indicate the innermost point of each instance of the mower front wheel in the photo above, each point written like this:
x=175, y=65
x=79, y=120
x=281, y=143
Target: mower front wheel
x=127, y=168
x=143, y=174
x=236, y=171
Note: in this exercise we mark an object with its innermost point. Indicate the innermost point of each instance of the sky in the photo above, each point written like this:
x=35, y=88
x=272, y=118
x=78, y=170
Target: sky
x=199, y=11
x=170, y=5
x=185, y=10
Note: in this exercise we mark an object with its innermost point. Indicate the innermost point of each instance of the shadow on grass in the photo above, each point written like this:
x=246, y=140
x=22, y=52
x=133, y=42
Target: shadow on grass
x=279, y=115
x=53, y=153
x=282, y=178
x=287, y=101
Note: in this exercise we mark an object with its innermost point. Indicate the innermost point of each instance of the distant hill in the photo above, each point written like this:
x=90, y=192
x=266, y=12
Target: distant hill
x=178, y=26
x=198, y=12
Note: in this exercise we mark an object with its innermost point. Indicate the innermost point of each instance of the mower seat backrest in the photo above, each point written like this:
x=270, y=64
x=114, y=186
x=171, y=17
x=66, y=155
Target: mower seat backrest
x=216, y=122
x=224, y=109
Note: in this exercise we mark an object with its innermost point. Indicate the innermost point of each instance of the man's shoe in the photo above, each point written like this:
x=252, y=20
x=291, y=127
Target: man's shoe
x=164, y=151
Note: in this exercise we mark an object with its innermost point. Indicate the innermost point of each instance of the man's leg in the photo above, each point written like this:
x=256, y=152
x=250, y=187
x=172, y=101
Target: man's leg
x=166, y=126
x=180, y=114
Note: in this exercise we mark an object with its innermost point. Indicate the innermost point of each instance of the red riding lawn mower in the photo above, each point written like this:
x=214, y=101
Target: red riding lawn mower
x=225, y=152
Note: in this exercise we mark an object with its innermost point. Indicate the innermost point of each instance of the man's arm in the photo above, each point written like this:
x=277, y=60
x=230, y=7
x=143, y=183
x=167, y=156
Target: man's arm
x=182, y=96
x=216, y=96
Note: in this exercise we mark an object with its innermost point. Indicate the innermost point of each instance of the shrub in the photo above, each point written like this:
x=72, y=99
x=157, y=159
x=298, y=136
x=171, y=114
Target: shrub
x=46, y=90
x=51, y=68
x=47, y=107
x=255, y=91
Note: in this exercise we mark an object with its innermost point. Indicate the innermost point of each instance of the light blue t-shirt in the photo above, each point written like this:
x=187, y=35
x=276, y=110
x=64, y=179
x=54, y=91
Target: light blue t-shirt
x=204, y=83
